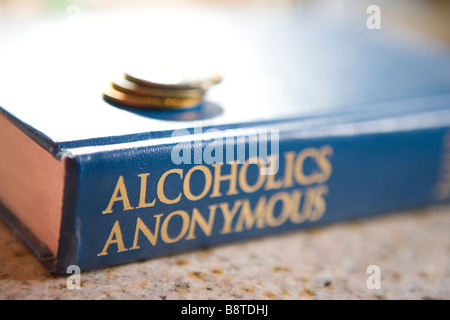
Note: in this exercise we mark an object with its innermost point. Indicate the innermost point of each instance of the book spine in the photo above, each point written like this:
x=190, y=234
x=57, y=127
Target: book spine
x=144, y=201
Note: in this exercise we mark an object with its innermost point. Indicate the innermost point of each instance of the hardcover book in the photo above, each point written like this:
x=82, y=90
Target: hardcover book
x=309, y=126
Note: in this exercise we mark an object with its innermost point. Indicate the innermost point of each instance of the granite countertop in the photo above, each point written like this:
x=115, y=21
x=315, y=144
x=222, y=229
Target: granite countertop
x=411, y=249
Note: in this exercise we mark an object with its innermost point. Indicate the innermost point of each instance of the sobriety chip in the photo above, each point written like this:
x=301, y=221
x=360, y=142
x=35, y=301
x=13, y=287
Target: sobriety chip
x=158, y=86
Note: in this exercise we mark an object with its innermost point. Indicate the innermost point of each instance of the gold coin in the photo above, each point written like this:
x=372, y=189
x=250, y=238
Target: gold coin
x=145, y=102
x=129, y=87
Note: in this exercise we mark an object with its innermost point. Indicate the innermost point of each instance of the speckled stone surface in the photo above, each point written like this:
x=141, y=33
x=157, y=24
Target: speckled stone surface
x=412, y=250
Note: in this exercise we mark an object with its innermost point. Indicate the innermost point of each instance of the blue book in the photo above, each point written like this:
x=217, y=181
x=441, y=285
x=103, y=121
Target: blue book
x=310, y=126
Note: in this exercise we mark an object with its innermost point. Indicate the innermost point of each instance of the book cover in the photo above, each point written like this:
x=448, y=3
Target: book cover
x=309, y=126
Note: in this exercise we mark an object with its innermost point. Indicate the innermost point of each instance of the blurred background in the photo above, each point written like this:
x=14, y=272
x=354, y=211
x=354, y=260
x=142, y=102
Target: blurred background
x=427, y=17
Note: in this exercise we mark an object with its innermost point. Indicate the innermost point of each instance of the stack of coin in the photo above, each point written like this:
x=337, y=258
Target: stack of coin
x=158, y=87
